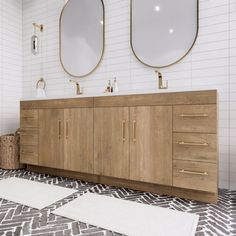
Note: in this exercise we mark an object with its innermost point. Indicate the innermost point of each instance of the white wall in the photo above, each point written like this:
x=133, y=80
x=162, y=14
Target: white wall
x=210, y=65
x=10, y=64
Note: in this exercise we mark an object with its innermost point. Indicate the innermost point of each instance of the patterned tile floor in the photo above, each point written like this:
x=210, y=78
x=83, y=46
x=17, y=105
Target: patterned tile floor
x=15, y=219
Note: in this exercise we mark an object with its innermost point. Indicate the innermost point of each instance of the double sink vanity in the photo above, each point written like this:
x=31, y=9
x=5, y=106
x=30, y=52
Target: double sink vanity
x=159, y=142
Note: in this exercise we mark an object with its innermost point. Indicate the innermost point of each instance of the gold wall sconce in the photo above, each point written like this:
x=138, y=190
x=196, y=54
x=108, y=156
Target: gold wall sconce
x=40, y=27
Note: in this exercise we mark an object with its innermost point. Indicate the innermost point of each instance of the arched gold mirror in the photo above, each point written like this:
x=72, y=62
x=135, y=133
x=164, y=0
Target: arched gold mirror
x=163, y=31
x=82, y=36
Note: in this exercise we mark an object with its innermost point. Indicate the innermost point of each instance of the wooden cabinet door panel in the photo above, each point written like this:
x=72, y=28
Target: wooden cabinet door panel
x=51, y=133
x=111, y=141
x=78, y=140
x=151, y=144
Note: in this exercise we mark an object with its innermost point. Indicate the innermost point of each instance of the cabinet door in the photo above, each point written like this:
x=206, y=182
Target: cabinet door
x=151, y=144
x=111, y=142
x=78, y=140
x=51, y=137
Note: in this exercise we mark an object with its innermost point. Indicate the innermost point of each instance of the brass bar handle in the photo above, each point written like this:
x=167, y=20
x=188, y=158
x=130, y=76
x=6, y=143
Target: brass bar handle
x=193, y=115
x=134, y=130
x=59, y=129
x=193, y=144
x=67, y=129
x=193, y=172
x=22, y=152
x=123, y=130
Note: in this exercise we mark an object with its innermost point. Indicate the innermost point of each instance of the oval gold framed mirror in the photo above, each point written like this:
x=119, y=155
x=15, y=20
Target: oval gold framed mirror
x=163, y=31
x=82, y=27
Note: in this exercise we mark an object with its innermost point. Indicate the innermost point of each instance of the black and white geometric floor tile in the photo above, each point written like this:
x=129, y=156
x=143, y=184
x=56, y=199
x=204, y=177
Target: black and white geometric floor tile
x=15, y=219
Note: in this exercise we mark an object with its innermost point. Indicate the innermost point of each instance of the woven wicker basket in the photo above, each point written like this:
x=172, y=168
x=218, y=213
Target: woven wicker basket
x=9, y=151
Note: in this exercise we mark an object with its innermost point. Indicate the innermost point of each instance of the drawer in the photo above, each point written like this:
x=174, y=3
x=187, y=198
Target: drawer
x=29, y=154
x=195, y=118
x=28, y=118
x=29, y=136
x=195, y=147
x=195, y=175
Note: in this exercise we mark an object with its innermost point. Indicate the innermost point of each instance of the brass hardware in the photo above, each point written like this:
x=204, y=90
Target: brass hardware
x=193, y=115
x=193, y=172
x=193, y=144
x=134, y=131
x=161, y=83
x=40, y=27
x=22, y=152
x=67, y=129
x=78, y=89
x=123, y=130
x=59, y=129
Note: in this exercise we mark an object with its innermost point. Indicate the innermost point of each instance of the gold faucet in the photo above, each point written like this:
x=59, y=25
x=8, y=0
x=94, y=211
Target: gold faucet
x=161, y=83
x=78, y=89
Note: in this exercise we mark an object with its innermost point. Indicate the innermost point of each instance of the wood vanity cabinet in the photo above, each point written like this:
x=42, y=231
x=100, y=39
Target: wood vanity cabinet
x=111, y=142
x=151, y=144
x=164, y=143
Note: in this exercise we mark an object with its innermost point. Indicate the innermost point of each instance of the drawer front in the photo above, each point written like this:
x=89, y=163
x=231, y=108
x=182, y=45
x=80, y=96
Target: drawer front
x=195, y=175
x=29, y=136
x=29, y=118
x=195, y=118
x=195, y=147
x=29, y=154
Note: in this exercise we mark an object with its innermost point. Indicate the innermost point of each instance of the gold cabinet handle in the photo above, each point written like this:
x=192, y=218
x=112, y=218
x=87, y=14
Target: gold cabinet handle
x=22, y=152
x=193, y=144
x=59, y=129
x=123, y=130
x=134, y=130
x=193, y=172
x=67, y=129
x=193, y=115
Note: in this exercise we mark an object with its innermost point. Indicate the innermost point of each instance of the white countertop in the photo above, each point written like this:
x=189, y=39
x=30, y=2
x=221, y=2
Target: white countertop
x=87, y=95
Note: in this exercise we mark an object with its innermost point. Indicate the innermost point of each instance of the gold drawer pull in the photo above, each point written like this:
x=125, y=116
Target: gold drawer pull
x=59, y=129
x=22, y=152
x=193, y=172
x=123, y=130
x=193, y=144
x=67, y=129
x=134, y=130
x=193, y=115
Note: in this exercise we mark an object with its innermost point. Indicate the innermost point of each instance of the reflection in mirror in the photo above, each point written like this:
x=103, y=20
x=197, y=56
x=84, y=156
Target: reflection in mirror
x=163, y=31
x=81, y=36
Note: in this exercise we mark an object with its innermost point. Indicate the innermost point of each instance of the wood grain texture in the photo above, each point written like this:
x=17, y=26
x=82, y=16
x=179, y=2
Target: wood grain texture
x=194, y=97
x=57, y=103
x=151, y=153
x=194, y=152
x=29, y=136
x=51, y=139
x=196, y=181
x=78, y=139
x=29, y=118
x=29, y=154
x=111, y=152
x=195, y=123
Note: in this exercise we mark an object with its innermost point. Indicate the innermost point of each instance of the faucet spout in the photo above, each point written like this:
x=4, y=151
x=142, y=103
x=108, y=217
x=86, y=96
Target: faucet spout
x=78, y=89
x=161, y=83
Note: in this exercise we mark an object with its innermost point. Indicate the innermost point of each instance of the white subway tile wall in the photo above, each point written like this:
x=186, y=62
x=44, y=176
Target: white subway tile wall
x=11, y=66
x=210, y=65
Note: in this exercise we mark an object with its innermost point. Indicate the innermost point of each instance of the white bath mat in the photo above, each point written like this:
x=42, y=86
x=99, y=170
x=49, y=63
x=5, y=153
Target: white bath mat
x=129, y=218
x=31, y=193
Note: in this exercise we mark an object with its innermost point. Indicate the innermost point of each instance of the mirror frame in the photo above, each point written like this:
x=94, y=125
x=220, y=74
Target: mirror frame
x=103, y=46
x=171, y=64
